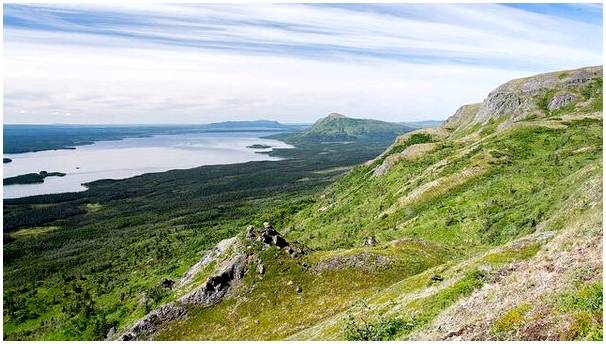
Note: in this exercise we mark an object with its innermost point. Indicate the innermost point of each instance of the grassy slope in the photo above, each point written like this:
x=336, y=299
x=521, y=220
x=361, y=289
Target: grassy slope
x=482, y=211
x=337, y=127
x=76, y=265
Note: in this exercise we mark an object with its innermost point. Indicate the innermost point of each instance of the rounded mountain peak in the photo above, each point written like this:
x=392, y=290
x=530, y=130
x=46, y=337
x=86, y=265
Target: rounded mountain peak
x=335, y=115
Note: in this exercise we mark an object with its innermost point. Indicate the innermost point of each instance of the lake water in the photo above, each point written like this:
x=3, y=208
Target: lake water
x=131, y=157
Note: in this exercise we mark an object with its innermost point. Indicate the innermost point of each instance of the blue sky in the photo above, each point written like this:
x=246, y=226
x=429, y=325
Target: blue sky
x=167, y=63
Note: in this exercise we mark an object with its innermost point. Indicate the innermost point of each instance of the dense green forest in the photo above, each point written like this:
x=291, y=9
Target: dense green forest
x=31, y=178
x=78, y=264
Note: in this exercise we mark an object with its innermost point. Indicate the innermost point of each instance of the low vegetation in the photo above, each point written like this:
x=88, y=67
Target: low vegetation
x=426, y=250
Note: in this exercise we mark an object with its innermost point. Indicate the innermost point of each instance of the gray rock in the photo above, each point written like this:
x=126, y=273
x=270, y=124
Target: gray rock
x=111, y=333
x=211, y=292
x=370, y=241
x=260, y=268
x=150, y=323
x=518, y=98
x=250, y=233
x=579, y=77
x=561, y=100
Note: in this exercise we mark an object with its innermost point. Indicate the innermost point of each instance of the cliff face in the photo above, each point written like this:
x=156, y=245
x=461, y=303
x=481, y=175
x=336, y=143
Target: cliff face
x=539, y=95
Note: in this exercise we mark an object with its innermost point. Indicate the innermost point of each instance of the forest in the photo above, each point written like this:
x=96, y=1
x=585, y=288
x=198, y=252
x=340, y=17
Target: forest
x=78, y=264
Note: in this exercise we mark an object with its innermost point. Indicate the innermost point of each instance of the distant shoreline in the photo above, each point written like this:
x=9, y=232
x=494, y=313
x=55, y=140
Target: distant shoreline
x=28, y=138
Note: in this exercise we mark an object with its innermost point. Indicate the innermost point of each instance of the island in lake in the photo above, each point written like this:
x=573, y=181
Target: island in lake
x=31, y=178
x=258, y=146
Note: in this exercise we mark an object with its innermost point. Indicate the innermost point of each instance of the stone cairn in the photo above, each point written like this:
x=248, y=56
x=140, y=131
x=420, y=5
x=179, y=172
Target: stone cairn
x=269, y=237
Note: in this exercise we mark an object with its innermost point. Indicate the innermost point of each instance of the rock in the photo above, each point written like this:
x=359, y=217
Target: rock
x=279, y=241
x=437, y=278
x=111, y=333
x=293, y=252
x=208, y=257
x=517, y=99
x=298, y=289
x=370, y=241
x=260, y=268
x=289, y=283
x=212, y=291
x=143, y=300
x=150, y=323
x=167, y=283
x=578, y=77
x=561, y=100
x=462, y=117
x=250, y=233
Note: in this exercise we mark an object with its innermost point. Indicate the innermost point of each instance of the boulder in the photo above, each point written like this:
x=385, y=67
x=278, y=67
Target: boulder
x=560, y=101
x=250, y=233
x=212, y=291
x=260, y=268
x=167, y=283
x=370, y=241
x=111, y=333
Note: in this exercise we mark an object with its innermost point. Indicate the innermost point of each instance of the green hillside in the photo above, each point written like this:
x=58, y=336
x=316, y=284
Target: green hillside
x=336, y=127
x=487, y=229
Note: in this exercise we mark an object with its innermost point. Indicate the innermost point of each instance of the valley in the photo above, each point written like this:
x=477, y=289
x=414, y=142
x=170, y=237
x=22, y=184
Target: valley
x=78, y=264
x=487, y=227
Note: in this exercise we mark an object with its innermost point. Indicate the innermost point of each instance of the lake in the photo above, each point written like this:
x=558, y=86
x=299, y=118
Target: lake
x=131, y=157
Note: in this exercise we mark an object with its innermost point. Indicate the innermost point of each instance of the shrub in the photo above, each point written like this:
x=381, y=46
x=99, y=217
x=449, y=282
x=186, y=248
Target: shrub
x=383, y=329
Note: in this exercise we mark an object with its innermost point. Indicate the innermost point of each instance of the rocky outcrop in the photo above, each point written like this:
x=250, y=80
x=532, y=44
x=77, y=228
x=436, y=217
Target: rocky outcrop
x=269, y=237
x=520, y=98
x=561, y=100
x=462, y=117
x=215, y=288
x=208, y=257
x=233, y=264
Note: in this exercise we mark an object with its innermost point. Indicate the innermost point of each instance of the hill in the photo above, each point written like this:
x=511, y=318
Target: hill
x=336, y=127
x=488, y=227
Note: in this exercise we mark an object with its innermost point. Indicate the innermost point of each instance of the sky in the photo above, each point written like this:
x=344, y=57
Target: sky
x=169, y=63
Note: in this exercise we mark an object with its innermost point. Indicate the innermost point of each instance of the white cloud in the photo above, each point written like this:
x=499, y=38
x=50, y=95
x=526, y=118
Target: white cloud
x=291, y=63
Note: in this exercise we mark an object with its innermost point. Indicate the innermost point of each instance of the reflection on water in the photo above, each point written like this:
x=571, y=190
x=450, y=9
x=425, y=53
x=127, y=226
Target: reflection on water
x=131, y=157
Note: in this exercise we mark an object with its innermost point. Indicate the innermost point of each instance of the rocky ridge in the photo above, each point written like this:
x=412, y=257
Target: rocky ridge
x=521, y=98
x=233, y=260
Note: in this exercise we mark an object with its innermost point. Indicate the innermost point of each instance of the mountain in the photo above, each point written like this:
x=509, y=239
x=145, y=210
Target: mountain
x=487, y=227
x=336, y=127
